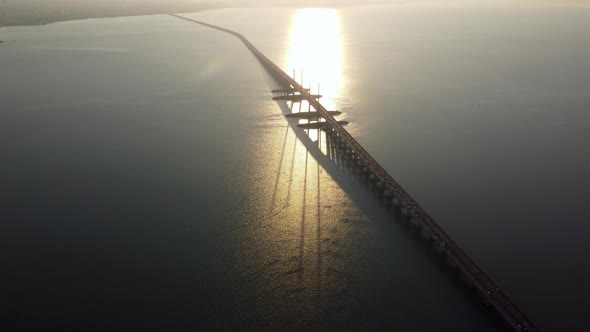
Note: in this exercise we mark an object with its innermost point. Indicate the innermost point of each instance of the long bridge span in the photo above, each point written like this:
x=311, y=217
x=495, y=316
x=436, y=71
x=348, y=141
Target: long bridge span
x=491, y=295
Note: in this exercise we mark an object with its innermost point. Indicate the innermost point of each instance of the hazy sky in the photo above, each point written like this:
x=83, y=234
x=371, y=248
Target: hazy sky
x=8, y=4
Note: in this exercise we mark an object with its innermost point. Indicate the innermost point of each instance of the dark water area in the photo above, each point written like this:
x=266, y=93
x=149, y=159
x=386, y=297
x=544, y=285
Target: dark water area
x=151, y=183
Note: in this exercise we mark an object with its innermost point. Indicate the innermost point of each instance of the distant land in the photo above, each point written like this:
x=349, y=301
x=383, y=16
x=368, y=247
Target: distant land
x=40, y=12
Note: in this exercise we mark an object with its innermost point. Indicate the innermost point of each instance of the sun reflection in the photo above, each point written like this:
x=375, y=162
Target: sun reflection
x=315, y=49
x=315, y=56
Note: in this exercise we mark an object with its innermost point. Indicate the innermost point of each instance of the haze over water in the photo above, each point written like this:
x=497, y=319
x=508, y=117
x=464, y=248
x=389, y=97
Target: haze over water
x=150, y=182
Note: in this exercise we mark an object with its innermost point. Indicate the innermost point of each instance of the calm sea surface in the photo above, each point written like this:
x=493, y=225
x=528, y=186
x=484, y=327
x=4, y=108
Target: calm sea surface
x=149, y=182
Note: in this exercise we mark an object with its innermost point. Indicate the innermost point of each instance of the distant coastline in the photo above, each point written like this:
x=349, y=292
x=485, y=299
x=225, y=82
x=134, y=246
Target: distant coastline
x=89, y=17
x=25, y=15
x=38, y=13
x=42, y=22
x=41, y=12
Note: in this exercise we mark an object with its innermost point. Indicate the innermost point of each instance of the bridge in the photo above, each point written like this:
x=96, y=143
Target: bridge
x=294, y=97
x=491, y=295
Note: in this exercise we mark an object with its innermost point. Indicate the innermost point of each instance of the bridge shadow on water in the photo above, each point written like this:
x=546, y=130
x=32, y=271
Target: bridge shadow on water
x=364, y=194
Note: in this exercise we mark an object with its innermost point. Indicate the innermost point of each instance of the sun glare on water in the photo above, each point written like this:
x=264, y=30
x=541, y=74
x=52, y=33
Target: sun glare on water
x=315, y=50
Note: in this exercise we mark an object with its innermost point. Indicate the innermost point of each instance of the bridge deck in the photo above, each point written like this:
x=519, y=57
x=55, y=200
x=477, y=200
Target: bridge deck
x=491, y=294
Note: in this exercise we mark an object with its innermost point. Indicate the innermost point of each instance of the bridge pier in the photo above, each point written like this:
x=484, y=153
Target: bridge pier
x=439, y=247
x=413, y=223
x=451, y=261
x=405, y=210
x=425, y=233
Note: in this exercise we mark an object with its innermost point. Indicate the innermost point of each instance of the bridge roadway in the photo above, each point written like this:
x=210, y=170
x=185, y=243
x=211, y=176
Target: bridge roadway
x=491, y=295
